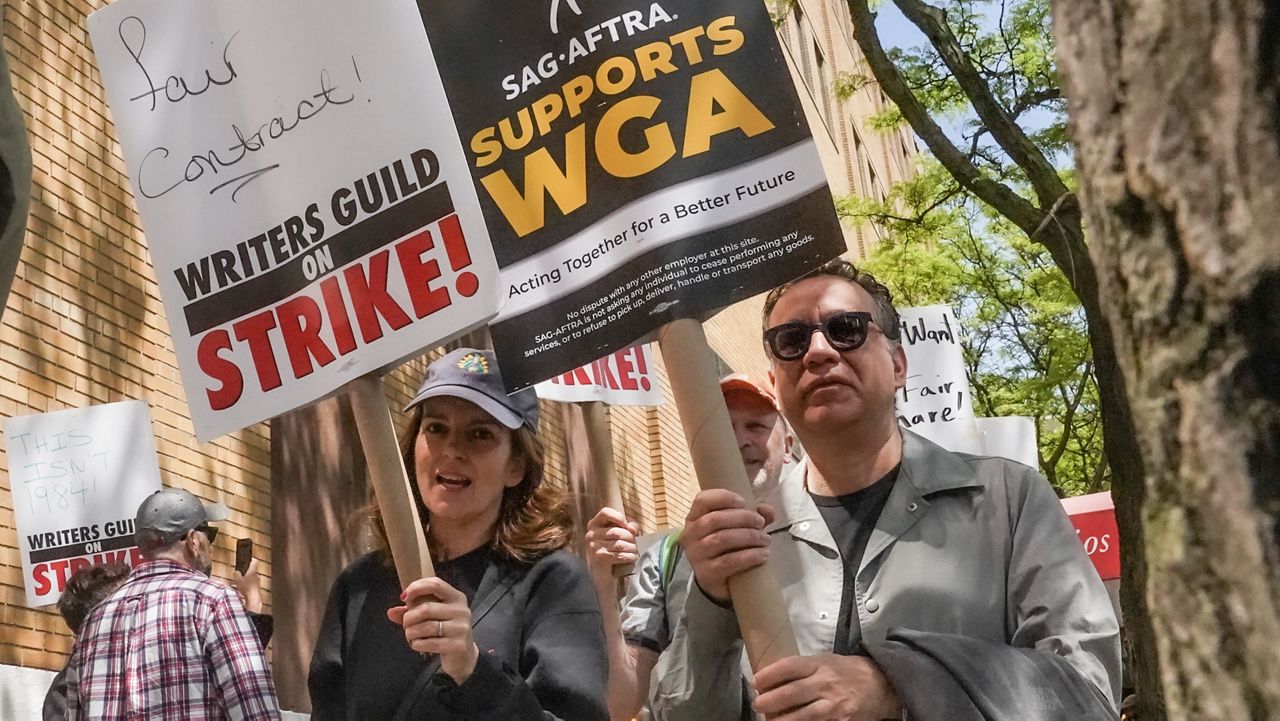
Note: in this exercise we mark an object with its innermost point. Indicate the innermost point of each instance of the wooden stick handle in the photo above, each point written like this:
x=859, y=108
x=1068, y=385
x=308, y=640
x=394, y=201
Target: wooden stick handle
x=605, y=476
x=695, y=383
x=390, y=481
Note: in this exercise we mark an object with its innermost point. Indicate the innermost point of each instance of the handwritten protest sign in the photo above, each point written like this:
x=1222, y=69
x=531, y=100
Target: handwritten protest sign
x=77, y=478
x=624, y=378
x=936, y=401
x=307, y=203
x=637, y=162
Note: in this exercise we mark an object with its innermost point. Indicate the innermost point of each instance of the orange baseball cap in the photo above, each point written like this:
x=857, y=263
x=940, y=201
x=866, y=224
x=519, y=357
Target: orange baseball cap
x=743, y=382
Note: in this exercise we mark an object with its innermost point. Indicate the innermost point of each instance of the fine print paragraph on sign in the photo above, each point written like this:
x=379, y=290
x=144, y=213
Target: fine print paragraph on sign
x=657, y=282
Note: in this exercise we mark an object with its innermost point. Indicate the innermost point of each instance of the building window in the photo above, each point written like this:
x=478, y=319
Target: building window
x=803, y=45
x=828, y=86
x=860, y=187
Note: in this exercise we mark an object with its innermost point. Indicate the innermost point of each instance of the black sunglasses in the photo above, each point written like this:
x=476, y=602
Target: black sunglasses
x=209, y=531
x=844, y=331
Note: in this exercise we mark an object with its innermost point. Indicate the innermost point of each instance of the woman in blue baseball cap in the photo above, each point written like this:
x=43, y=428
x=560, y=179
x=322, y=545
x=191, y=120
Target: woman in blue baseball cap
x=509, y=628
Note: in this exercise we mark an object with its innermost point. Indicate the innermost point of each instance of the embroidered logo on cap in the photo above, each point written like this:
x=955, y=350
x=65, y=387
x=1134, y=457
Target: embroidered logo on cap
x=474, y=363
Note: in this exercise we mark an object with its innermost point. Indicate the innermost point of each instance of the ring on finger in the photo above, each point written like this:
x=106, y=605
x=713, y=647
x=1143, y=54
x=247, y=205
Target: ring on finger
x=439, y=629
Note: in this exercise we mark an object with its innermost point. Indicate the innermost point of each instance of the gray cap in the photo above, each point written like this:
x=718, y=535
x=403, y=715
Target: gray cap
x=472, y=375
x=169, y=513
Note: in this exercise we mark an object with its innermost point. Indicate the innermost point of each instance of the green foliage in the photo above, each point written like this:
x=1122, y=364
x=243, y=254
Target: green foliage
x=846, y=84
x=1010, y=43
x=1026, y=342
x=779, y=10
x=887, y=120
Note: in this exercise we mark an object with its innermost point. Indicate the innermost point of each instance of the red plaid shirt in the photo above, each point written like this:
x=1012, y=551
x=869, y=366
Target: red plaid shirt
x=169, y=644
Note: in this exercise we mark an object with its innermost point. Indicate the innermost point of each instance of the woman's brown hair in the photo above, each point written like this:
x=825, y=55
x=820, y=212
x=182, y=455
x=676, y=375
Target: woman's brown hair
x=534, y=519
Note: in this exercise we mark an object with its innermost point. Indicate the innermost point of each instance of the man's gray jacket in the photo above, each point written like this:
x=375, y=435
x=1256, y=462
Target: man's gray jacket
x=974, y=596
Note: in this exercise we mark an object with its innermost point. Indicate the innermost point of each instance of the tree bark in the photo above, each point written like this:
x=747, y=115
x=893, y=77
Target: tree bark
x=1173, y=107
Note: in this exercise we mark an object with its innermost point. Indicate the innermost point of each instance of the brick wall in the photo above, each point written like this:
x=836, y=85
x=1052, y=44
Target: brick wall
x=84, y=324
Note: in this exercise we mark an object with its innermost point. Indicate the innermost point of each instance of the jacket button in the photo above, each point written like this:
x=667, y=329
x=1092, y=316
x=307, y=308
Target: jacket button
x=872, y=605
x=823, y=615
x=911, y=508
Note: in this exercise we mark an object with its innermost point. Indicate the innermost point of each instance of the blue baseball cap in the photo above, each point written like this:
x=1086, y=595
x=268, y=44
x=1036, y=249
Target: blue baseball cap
x=472, y=375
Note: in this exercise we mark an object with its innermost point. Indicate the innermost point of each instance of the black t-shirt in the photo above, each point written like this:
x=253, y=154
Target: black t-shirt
x=466, y=571
x=851, y=518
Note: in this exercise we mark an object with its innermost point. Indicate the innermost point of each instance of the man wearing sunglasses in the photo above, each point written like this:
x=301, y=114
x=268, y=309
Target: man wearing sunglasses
x=920, y=583
x=171, y=643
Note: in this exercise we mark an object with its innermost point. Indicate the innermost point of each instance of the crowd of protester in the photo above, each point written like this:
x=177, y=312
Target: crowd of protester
x=920, y=583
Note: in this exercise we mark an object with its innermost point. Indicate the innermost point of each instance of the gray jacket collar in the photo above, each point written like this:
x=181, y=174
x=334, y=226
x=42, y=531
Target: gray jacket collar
x=927, y=469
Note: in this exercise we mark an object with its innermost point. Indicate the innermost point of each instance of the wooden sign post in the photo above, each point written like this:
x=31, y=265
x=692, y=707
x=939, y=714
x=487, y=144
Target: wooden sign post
x=600, y=444
x=757, y=600
x=390, y=481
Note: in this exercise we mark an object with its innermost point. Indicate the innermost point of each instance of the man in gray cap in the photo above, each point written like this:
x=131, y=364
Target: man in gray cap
x=171, y=643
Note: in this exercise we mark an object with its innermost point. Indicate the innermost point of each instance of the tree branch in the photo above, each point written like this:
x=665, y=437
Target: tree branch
x=1072, y=404
x=1017, y=209
x=980, y=390
x=1029, y=100
x=973, y=146
x=918, y=218
x=933, y=23
x=1099, y=473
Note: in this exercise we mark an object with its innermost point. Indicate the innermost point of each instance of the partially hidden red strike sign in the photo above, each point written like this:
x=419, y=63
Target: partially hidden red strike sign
x=623, y=378
x=1094, y=517
x=307, y=203
x=52, y=565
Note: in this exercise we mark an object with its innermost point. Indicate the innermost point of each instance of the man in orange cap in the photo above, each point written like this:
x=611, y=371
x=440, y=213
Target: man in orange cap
x=655, y=593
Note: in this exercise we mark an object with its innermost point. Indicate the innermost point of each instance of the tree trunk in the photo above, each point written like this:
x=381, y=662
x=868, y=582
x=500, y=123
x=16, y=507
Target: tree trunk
x=1173, y=107
x=1120, y=445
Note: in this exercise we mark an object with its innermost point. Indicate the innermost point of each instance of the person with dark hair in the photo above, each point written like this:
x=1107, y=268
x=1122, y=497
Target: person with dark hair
x=171, y=643
x=920, y=583
x=509, y=628
x=85, y=590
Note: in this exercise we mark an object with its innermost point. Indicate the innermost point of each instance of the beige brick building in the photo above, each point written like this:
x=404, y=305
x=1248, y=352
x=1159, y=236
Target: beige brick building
x=84, y=325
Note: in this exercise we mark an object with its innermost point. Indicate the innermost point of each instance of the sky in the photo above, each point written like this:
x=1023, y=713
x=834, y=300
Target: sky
x=896, y=31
